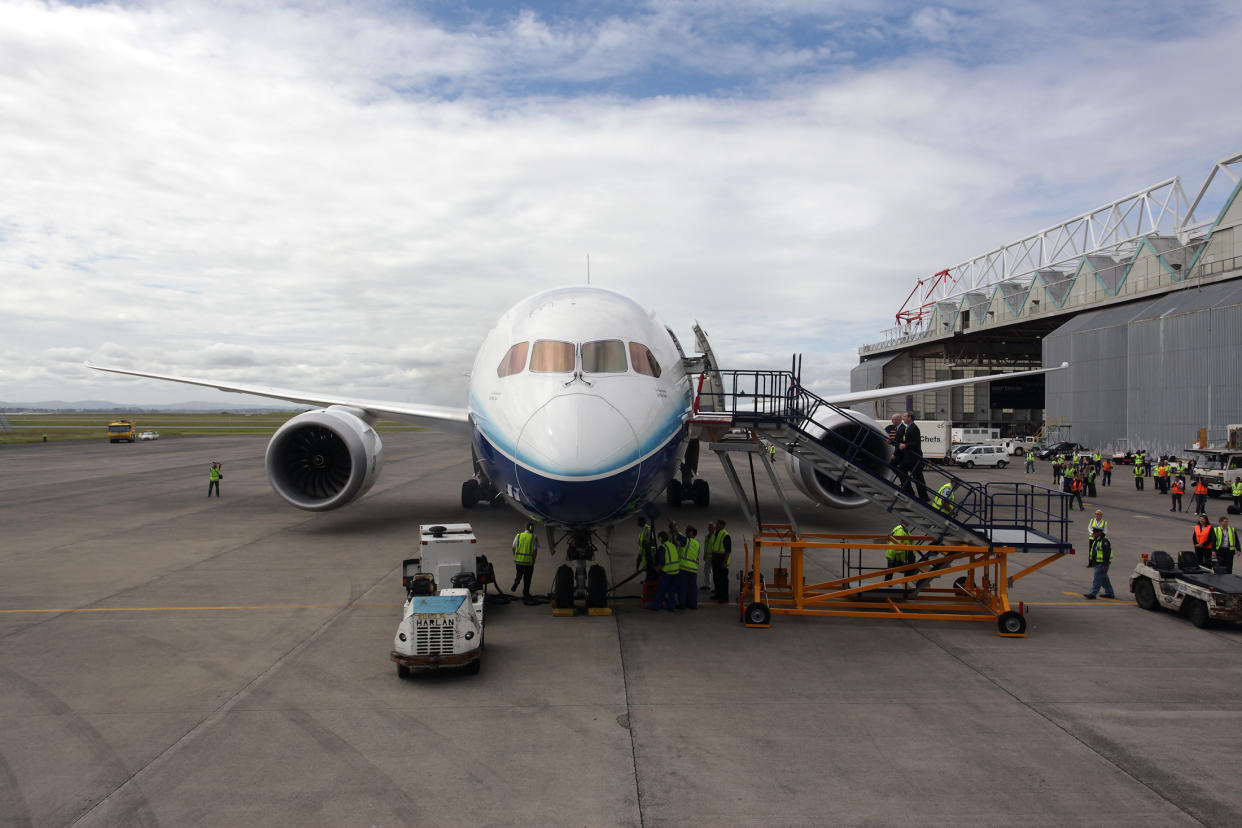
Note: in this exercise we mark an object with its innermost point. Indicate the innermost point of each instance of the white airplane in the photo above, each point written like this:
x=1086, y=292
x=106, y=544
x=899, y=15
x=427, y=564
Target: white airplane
x=580, y=413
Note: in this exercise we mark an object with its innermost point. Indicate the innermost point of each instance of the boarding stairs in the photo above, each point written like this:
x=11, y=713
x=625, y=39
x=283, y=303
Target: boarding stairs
x=772, y=408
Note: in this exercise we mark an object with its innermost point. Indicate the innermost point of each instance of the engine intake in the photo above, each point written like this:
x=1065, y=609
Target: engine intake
x=840, y=431
x=324, y=459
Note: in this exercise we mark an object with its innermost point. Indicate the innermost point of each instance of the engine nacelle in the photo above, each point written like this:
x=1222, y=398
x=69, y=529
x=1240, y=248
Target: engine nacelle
x=877, y=452
x=324, y=459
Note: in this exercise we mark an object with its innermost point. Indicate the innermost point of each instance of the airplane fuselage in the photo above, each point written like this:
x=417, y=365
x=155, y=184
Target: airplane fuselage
x=579, y=406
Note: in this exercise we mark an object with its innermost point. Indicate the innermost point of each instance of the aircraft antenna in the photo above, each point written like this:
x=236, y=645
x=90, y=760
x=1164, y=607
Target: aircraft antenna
x=588, y=268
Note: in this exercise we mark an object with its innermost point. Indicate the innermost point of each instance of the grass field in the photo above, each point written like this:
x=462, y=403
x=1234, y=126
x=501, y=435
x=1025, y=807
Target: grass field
x=31, y=428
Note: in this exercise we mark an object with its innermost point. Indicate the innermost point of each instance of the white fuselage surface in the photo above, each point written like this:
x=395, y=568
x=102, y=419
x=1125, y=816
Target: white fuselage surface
x=579, y=406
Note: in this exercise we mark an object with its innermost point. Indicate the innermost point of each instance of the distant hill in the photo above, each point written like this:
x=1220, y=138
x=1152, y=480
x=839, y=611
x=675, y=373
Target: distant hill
x=108, y=407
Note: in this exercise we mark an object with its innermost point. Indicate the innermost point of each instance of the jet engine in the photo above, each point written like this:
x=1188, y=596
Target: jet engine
x=324, y=459
x=840, y=432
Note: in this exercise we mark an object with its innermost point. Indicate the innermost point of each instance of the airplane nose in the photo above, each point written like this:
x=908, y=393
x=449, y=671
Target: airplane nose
x=577, y=435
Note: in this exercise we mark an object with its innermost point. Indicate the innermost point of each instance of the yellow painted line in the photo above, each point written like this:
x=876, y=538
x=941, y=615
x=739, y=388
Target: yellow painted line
x=194, y=609
x=1116, y=602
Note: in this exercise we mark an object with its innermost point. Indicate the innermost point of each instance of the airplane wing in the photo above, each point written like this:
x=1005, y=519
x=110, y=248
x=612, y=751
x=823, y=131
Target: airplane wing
x=400, y=411
x=902, y=390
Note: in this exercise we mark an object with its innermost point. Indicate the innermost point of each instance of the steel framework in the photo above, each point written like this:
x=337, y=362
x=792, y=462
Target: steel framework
x=1160, y=208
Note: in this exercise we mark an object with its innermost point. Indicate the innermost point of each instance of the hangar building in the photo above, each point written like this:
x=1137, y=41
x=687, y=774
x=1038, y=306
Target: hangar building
x=1141, y=296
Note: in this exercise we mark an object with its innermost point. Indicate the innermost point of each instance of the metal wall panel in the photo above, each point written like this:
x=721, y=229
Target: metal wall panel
x=1150, y=375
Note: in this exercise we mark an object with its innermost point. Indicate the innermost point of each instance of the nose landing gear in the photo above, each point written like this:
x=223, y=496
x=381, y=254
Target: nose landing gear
x=584, y=580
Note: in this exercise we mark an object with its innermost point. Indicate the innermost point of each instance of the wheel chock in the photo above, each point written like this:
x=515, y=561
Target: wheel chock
x=564, y=612
x=599, y=610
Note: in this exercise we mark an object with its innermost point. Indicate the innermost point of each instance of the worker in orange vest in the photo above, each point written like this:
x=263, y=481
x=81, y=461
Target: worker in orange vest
x=1200, y=497
x=1203, y=541
x=1179, y=489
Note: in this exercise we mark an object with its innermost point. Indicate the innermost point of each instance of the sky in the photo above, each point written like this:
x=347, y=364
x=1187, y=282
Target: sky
x=343, y=197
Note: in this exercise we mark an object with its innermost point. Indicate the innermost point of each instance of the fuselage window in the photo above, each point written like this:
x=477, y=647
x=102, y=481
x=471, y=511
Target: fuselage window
x=643, y=360
x=552, y=357
x=606, y=356
x=514, y=361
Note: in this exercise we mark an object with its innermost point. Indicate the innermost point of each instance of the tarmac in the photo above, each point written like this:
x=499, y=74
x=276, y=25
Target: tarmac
x=168, y=659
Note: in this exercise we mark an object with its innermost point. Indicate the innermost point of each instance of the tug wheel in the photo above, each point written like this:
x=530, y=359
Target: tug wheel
x=1197, y=611
x=1145, y=594
x=1011, y=623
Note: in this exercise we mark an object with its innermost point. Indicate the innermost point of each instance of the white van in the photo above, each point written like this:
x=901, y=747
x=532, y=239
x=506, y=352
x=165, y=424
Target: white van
x=982, y=456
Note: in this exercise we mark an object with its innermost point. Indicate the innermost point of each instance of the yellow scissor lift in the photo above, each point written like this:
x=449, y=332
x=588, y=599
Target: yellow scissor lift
x=978, y=578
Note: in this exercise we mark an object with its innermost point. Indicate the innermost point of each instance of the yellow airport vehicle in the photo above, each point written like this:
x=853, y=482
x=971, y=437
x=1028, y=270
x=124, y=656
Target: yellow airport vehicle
x=121, y=431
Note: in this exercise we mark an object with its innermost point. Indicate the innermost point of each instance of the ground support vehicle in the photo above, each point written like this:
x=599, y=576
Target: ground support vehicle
x=1187, y=588
x=1057, y=449
x=442, y=620
x=121, y=431
x=972, y=456
x=1218, y=469
x=974, y=587
x=149, y=435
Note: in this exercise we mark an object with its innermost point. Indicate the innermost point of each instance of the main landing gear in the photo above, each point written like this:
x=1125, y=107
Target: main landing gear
x=585, y=580
x=688, y=485
x=479, y=488
x=473, y=491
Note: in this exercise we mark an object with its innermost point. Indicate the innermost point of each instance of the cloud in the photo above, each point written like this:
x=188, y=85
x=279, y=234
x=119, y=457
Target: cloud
x=344, y=197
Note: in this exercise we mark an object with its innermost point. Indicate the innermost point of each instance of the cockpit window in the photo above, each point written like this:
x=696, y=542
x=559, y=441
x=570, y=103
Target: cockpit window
x=514, y=361
x=552, y=357
x=607, y=356
x=643, y=360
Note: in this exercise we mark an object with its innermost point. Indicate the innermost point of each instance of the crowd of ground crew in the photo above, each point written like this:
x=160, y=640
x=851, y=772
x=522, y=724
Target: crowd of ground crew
x=1215, y=546
x=671, y=561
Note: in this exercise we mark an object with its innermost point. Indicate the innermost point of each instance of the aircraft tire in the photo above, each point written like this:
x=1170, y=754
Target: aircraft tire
x=1145, y=594
x=563, y=588
x=469, y=493
x=674, y=493
x=1197, y=612
x=702, y=493
x=597, y=587
x=1011, y=623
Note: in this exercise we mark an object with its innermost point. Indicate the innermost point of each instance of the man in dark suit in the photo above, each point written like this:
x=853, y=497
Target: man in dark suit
x=896, y=433
x=910, y=455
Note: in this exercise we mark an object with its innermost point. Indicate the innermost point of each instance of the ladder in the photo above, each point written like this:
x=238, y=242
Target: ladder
x=849, y=451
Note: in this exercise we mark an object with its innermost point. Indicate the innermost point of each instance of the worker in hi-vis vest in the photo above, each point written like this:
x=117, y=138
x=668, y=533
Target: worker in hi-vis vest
x=900, y=554
x=647, y=550
x=1225, y=543
x=720, y=549
x=525, y=550
x=670, y=568
x=214, y=476
x=690, y=554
